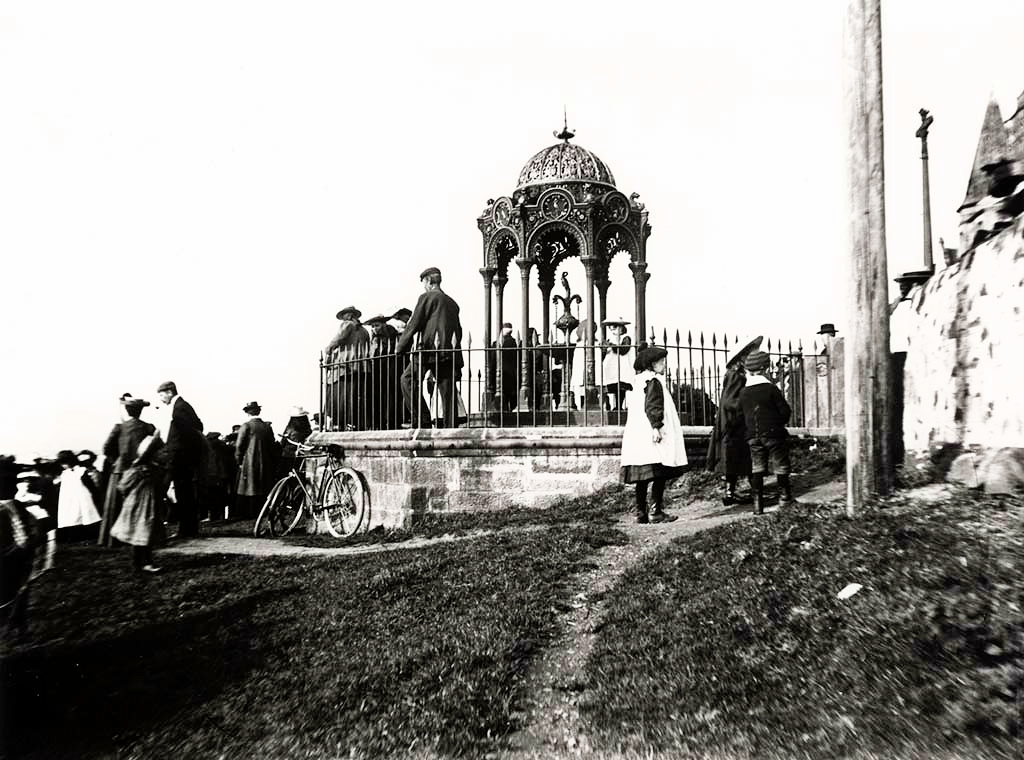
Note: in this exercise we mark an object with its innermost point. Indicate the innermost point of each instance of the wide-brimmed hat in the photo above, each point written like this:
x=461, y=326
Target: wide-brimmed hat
x=430, y=271
x=646, y=358
x=756, y=361
x=349, y=311
x=402, y=314
x=298, y=411
x=621, y=322
x=829, y=328
x=252, y=408
x=134, y=403
x=380, y=319
x=741, y=354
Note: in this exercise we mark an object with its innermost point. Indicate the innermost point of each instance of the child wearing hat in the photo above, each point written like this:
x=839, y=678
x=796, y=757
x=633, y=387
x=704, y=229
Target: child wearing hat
x=653, y=450
x=765, y=413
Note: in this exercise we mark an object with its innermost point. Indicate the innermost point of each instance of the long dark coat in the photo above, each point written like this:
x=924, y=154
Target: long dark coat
x=184, y=447
x=728, y=453
x=436, y=320
x=256, y=454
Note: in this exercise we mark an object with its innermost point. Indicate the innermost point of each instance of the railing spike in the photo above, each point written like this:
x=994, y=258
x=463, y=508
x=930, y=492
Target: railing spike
x=689, y=339
x=664, y=337
x=469, y=339
x=702, y=339
x=800, y=345
x=677, y=337
x=714, y=340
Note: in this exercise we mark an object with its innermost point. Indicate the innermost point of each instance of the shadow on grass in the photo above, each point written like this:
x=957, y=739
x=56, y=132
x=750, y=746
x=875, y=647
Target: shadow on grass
x=73, y=698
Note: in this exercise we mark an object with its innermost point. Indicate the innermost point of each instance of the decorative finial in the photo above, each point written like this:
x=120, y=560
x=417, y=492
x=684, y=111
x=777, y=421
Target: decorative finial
x=565, y=134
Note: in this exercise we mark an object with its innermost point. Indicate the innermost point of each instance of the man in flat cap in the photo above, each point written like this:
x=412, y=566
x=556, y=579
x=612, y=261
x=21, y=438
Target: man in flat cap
x=343, y=355
x=435, y=322
x=182, y=456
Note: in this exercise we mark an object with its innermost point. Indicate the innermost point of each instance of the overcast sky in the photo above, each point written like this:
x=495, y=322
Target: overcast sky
x=191, y=190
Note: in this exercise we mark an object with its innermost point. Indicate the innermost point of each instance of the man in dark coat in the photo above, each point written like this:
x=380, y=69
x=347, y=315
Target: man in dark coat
x=385, y=374
x=435, y=321
x=505, y=348
x=343, y=377
x=256, y=454
x=182, y=456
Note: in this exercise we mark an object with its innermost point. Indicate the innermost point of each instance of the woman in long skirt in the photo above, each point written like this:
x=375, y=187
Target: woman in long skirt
x=140, y=523
x=728, y=453
x=653, y=450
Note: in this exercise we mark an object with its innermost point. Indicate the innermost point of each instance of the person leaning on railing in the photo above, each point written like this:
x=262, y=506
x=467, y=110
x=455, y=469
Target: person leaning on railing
x=435, y=321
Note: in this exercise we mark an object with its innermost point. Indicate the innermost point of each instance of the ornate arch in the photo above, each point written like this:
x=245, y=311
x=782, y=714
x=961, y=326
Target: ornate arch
x=613, y=239
x=501, y=249
x=548, y=259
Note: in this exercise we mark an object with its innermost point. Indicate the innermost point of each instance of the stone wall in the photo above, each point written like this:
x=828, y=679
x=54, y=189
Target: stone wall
x=476, y=469
x=965, y=351
x=479, y=469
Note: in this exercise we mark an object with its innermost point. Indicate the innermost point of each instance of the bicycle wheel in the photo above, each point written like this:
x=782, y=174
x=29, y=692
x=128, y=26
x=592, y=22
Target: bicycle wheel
x=344, y=502
x=283, y=508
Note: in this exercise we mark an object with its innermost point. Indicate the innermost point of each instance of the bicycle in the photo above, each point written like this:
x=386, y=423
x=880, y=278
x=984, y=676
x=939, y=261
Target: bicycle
x=340, y=500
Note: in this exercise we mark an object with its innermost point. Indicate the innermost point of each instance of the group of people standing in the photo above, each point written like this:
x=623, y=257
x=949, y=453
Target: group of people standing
x=381, y=373
x=749, y=436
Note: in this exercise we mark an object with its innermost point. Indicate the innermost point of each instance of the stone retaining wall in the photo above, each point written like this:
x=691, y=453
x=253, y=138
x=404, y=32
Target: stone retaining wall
x=477, y=469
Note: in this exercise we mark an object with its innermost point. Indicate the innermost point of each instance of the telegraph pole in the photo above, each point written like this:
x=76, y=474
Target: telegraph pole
x=867, y=369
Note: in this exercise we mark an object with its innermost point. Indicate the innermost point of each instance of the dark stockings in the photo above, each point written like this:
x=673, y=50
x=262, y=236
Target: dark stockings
x=141, y=556
x=657, y=494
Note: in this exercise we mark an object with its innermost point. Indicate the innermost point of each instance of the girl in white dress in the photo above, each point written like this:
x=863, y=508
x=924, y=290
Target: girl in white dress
x=653, y=450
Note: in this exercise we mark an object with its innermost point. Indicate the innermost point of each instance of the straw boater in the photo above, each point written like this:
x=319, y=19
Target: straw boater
x=728, y=453
x=435, y=321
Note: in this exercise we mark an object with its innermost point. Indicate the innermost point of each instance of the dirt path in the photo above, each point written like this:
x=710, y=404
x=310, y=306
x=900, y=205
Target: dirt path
x=551, y=719
x=552, y=716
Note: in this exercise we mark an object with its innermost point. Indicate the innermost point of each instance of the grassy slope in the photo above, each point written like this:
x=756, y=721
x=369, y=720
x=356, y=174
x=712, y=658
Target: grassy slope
x=242, y=657
x=734, y=639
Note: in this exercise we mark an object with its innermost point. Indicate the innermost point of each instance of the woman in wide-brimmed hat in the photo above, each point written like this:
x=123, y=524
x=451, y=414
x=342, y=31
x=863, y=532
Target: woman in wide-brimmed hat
x=728, y=453
x=119, y=452
x=140, y=523
x=653, y=450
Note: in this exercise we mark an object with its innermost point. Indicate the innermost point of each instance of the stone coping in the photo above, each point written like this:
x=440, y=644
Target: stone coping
x=493, y=438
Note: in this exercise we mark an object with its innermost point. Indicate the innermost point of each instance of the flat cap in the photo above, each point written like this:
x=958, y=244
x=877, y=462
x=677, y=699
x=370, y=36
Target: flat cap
x=429, y=271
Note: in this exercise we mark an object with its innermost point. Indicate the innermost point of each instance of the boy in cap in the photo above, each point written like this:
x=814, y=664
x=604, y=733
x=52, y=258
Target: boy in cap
x=765, y=414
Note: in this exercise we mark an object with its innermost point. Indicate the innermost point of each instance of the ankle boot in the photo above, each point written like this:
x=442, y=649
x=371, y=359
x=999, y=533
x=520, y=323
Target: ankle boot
x=730, y=496
x=757, y=487
x=785, y=491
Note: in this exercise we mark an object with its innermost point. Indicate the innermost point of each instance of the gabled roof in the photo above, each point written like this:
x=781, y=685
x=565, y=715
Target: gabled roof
x=993, y=147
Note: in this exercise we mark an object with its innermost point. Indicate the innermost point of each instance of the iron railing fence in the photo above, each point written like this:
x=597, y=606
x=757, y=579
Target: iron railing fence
x=519, y=383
